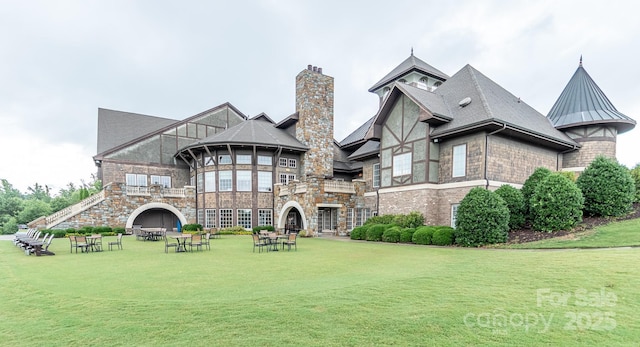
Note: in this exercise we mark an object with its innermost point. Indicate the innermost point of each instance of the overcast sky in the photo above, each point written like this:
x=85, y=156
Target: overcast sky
x=62, y=60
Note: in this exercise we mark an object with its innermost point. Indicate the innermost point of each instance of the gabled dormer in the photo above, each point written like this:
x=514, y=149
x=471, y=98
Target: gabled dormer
x=411, y=71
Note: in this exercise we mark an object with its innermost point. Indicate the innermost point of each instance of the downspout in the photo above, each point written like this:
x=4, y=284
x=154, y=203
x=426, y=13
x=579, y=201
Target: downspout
x=562, y=153
x=486, y=153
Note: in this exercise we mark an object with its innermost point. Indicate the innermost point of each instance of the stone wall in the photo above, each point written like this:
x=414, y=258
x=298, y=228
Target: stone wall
x=475, y=158
x=115, y=172
x=117, y=207
x=314, y=104
x=514, y=161
x=588, y=152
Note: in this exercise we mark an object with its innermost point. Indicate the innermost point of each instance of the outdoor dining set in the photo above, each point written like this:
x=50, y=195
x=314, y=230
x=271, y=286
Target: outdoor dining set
x=271, y=240
x=92, y=243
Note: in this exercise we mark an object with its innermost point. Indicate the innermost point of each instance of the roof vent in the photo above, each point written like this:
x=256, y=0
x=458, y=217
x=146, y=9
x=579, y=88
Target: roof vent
x=464, y=102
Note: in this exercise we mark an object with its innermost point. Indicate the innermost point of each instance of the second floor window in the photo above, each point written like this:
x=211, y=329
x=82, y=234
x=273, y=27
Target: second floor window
x=459, y=161
x=243, y=158
x=136, y=180
x=243, y=180
x=264, y=181
x=225, y=183
x=402, y=164
x=210, y=181
x=164, y=181
x=224, y=159
x=376, y=175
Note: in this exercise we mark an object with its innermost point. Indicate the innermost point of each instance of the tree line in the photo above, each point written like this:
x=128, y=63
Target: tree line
x=17, y=208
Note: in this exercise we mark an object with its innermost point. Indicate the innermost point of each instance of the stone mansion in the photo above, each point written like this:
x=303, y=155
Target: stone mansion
x=433, y=138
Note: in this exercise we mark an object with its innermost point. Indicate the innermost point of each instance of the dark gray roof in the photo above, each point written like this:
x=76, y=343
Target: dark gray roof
x=358, y=134
x=410, y=64
x=116, y=127
x=252, y=132
x=431, y=101
x=370, y=148
x=492, y=106
x=583, y=103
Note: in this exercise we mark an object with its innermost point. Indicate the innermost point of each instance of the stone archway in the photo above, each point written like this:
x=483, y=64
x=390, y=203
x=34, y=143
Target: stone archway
x=282, y=220
x=155, y=205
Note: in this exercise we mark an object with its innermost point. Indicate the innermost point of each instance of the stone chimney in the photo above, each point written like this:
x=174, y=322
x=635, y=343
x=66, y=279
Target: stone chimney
x=314, y=104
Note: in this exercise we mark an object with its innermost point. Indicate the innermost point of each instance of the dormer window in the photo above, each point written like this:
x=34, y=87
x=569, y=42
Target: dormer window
x=437, y=84
x=402, y=80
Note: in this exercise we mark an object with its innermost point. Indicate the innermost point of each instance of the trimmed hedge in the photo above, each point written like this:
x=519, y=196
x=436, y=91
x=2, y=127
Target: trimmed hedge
x=406, y=235
x=192, y=227
x=263, y=227
x=515, y=203
x=443, y=236
x=483, y=218
x=374, y=233
x=529, y=187
x=556, y=205
x=359, y=233
x=608, y=188
x=423, y=235
x=391, y=234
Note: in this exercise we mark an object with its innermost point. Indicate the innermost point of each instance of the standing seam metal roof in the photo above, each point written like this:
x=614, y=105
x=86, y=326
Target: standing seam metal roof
x=582, y=102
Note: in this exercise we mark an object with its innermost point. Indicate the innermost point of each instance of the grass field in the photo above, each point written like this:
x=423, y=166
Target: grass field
x=328, y=293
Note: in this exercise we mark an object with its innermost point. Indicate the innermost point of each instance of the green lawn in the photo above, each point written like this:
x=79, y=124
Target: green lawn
x=619, y=234
x=328, y=293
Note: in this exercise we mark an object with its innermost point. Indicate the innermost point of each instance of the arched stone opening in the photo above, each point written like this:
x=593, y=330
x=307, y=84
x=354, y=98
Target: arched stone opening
x=292, y=217
x=156, y=214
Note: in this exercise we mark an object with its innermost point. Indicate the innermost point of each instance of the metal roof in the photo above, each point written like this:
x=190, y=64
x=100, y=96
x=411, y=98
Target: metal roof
x=358, y=134
x=117, y=127
x=257, y=131
x=583, y=103
x=410, y=64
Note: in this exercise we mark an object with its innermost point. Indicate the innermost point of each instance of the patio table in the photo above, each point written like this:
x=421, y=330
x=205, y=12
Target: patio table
x=182, y=242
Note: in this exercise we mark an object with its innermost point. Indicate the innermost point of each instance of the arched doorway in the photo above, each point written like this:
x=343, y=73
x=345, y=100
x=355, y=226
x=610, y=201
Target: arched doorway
x=156, y=215
x=292, y=218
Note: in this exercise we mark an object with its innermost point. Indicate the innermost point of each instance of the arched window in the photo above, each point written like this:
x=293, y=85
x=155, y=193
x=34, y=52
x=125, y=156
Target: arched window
x=437, y=84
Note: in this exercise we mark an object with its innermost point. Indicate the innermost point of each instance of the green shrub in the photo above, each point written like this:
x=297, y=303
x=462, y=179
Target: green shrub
x=607, y=187
x=483, y=218
x=263, y=227
x=374, y=232
x=86, y=230
x=59, y=233
x=556, y=205
x=118, y=230
x=529, y=187
x=103, y=230
x=70, y=231
x=423, y=235
x=192, y=227
x=412, y=220
x=406, y=235
x=380, y=219
x=235, y=230
x=443, y=236
x=391, y=234
x=359, y=233
x=515, y=203
x=635, y=174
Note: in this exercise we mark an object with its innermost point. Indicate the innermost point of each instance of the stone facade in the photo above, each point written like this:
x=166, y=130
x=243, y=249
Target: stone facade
x=514, y=161
x=314, y=104
x=580, y=159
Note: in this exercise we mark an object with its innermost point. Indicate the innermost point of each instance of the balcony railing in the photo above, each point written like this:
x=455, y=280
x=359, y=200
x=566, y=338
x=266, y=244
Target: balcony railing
x=339, y=187
x=164, y=192
x=74, y=209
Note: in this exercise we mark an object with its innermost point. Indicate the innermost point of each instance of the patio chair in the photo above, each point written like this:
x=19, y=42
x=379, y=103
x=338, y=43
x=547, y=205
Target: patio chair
x=259, y=242
x=168, y=245
x=206, y=241
x=117, y=242
x=81, y=242
x=291, y=240
x=196, y=240
x=46, y=242
x=96, y=244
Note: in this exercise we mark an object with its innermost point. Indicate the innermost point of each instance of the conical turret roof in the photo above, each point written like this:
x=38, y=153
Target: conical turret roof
x=583, y=103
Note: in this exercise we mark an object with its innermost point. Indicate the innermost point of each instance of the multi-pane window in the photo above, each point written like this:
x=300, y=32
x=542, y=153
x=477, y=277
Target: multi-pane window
x=376, y=175
x=265, y=217
x=225, y=181
x=243, y=180
x=200, y=217
x=164, y=181
x=244, y=218
x=224, y=159
x=264, y=160
x=282, y=162
x=210, y=181
x=210, y=218
x=243, y=158
x=286, y=178
x=402, y=164
x=208, y=161
x=459, y=160
x=362, y=214
x=136, y=180
x=264, y=181
x=200, y=183
x=292, y=163
x=454, y=214
x=226, y=218
x=349, y=219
